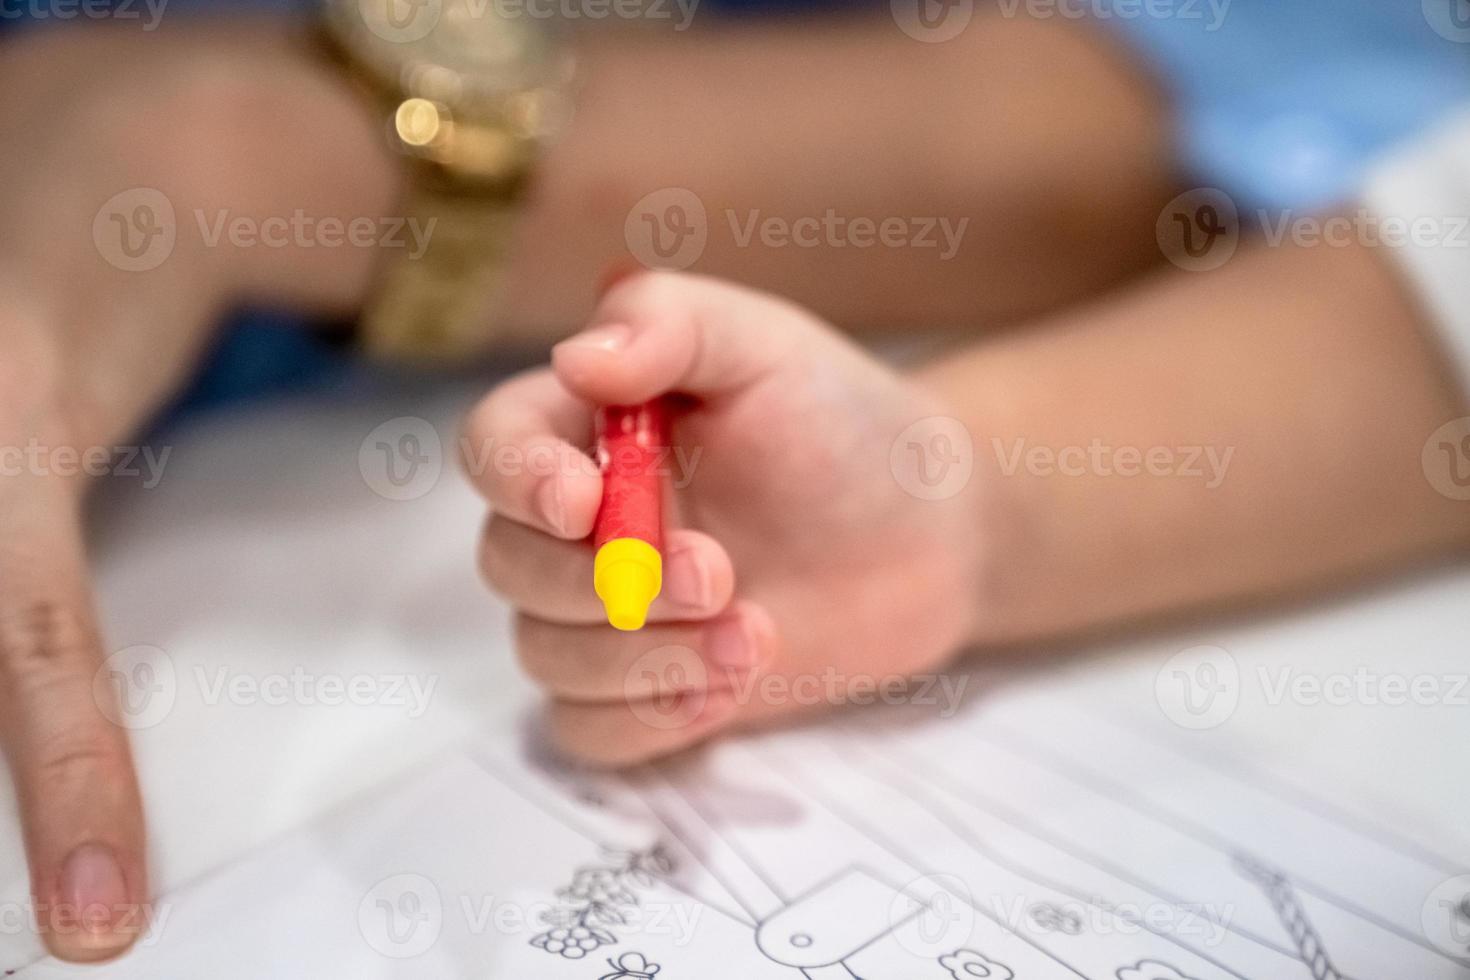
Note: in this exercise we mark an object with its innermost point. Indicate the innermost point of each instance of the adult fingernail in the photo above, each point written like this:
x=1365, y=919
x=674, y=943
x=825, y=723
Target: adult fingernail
x=551, y=505
x=93, y=891
x=612, y=337
x=689, y=580
x=729, y=644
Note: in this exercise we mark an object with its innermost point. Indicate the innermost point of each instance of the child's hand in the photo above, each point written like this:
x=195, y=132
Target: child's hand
x=797, y=570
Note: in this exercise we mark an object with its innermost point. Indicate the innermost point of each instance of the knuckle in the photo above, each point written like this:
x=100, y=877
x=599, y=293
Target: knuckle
x=43, y=639
x=78, y=758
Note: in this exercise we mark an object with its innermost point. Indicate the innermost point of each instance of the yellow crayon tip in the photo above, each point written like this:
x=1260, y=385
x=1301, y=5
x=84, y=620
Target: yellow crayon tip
x=627, y=574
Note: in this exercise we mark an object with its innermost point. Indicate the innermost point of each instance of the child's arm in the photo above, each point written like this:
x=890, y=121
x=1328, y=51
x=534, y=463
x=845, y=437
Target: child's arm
x=1291, y=393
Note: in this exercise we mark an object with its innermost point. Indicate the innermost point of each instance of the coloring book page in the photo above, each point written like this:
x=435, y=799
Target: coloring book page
x=1196, y=806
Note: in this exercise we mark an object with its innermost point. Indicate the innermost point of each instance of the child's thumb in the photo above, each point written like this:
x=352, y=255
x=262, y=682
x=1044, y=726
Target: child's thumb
x=660, y=332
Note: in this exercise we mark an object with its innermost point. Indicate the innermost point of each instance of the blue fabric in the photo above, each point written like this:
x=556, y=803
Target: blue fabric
x=1282, y=103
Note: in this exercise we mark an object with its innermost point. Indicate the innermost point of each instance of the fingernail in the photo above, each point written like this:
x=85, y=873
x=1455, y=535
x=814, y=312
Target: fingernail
x=729, y=644
x=612, y=337
x=550, y=505
x=689, y=581
x=93, y=891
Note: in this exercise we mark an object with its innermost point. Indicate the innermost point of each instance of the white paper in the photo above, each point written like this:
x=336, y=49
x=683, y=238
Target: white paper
x=1059, y=824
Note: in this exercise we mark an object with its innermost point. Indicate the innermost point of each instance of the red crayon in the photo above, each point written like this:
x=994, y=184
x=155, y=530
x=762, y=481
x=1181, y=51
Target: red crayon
x=628, y=533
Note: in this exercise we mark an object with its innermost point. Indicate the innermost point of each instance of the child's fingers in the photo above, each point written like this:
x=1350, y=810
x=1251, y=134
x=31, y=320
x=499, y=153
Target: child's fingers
x=625, y=733
x=599, y=663
x=658, y=332
x=552, y=579
x=520, y=451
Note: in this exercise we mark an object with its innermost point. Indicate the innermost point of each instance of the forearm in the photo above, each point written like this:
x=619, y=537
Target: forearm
x=1051, y=151
x=1285, y=399
x=1043, y=153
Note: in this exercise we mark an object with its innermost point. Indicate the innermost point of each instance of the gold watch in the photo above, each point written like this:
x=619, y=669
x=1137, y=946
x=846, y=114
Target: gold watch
x=469, y=90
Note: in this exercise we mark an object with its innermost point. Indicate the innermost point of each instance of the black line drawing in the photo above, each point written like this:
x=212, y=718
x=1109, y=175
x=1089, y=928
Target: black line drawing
x=966, y=964
x=599, y=899
x=1150, y=970
x=1293, y=917
x=631, y=966
x=828, y=925
x=1016, y=743
x=792, y=926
